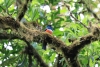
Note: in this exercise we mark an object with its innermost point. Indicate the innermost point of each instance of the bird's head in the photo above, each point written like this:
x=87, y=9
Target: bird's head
x=49, y=29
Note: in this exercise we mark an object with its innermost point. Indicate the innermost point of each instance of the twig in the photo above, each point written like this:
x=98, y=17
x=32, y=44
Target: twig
x=89, y=10
x=71, y=14
x=30, y=50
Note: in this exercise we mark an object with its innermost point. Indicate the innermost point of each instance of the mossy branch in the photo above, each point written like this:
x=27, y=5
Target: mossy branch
x=69, y=52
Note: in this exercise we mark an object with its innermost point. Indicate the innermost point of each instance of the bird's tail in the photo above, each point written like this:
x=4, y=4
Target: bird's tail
x=44, y=45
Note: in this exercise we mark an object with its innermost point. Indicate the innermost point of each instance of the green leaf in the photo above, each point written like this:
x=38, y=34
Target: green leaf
x=22, y=61
x=9, y=61
x=52, y=57
x=8, y=3
x=35, y=13
x=41, y=1
x=54, y=2
x=57, y=32
x=68, y=19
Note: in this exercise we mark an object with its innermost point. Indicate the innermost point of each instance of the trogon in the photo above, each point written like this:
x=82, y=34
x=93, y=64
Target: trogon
x=49, y=30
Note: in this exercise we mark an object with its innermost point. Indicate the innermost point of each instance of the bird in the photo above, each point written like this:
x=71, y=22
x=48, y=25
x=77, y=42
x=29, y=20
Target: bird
x=49, y=30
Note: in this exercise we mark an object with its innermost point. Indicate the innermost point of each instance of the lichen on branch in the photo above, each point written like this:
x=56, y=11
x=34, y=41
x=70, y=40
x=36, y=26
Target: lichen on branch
x=20, y=31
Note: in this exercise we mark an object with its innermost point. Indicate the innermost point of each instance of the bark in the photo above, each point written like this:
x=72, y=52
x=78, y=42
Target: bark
x=20, y=31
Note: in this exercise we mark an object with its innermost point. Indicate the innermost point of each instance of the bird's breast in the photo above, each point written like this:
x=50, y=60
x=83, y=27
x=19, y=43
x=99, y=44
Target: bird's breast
x=49, y=31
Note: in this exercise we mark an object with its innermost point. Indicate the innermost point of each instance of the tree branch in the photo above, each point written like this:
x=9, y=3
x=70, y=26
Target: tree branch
x=69, y=52
x=30, y=61
x=71, y=14
x=77, y=45
x=23, y=10
x=89, y=10
x=32, y=52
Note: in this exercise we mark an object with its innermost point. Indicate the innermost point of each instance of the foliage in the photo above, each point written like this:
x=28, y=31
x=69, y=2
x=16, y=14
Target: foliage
x=64, y=27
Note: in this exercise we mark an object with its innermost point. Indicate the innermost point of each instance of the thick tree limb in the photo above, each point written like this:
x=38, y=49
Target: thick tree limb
x=4, y=35
x=69, y=52
x=77, y=45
